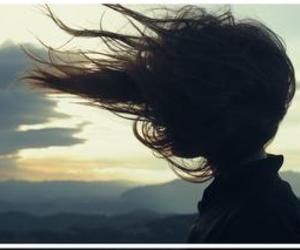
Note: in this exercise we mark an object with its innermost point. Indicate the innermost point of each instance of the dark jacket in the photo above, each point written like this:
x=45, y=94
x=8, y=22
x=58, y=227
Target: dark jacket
x=251, y=205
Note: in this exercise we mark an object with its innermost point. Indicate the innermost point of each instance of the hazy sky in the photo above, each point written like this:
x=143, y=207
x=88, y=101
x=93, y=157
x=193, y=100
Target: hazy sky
x=46, y=139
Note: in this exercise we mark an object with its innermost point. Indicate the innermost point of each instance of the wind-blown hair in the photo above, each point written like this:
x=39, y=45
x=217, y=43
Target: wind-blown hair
x=197, y=85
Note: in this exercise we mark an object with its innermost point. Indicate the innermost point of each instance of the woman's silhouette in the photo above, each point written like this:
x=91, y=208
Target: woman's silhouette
x=204, y=88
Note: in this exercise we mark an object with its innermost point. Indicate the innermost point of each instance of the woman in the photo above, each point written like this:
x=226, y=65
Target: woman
x=202, y=88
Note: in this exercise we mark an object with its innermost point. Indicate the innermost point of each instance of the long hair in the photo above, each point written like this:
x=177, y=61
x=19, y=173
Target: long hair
x=200, y=87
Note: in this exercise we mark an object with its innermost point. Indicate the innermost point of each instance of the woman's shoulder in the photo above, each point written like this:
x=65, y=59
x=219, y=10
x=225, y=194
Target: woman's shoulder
x=273, y=222
x=269, y=215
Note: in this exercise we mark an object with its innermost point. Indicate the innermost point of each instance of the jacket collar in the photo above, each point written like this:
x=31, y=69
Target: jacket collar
x=227, y=185
x=269, y=165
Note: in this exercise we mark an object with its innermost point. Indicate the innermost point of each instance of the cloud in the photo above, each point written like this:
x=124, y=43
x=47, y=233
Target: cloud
x=38, y=138
x=20, y=105
x=8, y=162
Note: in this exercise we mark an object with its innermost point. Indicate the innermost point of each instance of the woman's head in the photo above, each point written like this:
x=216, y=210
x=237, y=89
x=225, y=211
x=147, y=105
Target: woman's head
x=196, y=84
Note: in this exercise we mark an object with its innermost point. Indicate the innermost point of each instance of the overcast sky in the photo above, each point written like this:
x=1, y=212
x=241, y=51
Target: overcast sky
x=46, y=138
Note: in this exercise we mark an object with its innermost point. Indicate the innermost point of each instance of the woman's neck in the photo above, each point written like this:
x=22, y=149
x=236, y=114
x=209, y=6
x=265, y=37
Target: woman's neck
x=259, y=155
x=256, y=156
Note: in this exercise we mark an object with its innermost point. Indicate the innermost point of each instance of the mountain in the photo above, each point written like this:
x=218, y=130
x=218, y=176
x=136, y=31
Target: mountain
x=182, y=197
x=139, y=226
x=293, y=178
x=62, y=196
x=177, y=196
x=110, y=198
x=24, y=191
x=44, y=198
x=128, y=214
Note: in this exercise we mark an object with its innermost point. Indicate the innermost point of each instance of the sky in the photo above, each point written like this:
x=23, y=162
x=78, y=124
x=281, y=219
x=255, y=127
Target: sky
x=58, y=138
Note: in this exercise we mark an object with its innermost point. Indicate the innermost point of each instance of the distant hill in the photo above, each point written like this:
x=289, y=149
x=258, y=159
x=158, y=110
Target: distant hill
x=181, y=197
x=50, y=190
x=177, y=196
x=62, y=196
x=43, y=198
x=128, y=214
x=293, y=178
x=139, y=226
x=109, y=198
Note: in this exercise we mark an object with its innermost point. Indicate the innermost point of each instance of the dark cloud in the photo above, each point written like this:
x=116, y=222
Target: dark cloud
x=13, y=61
x=20, y=105
x=38, y=138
